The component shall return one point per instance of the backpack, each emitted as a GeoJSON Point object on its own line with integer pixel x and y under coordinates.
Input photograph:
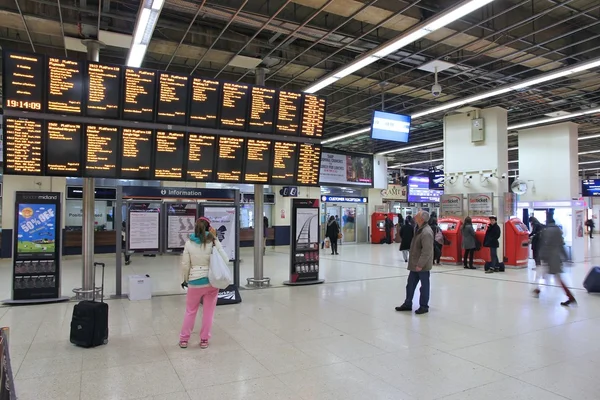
{"type": "Point", "coordinates": [439, 236]}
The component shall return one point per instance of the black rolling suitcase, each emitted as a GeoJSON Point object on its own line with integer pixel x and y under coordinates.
{"type": "Point", "coordinates": [592, 281]}
{"type": "Point", "coordinates": [89, 325]}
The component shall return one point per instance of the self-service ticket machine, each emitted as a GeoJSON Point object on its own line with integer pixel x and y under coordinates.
{"type": "Point", "coordinates": [480, 225]}
{"type": "Point", "coordinates": [452, 229]}
{"type": "Point", "coordinates": [378, 227]}
{"type": "Point", "coordinates": [516, 244]}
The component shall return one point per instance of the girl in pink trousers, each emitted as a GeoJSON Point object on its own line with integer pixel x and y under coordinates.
{"type": "Point", "coordinates": [195, 263]}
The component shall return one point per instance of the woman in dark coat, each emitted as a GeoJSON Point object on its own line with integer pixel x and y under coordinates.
{"type": "Point", "coordinates": [406, 236]}
{"type": "Point", "coordinates": [333, 230]}
{"type": "Point", "coordinates": [469, 243]}
{"type": "Point", "coordinates": [535, 237]}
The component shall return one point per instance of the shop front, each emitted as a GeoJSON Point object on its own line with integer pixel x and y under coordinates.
{"type": "Point", "coordinates": [351, 214]}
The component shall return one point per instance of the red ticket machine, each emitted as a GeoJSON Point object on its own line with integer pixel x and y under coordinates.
{"type": "Point", "coordinates": [480, 225]}
{"type": "Point", "coordinates": [452, 229]}
{"type": "Point", "coordinates": [516, 246]}
{"type": "Point", "coordinates": [378, 227]}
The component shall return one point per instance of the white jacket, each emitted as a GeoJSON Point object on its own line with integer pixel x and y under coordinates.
{"type": "Point", "coordinates": [195, 259]}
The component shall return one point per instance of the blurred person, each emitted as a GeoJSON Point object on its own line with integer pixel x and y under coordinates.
{"type": "Point", "coordinates": [388, 226]}
{"type": "Point", "coordinates": [491, 240]}
{"type": "Point", "coordinates": [535, 238]}
{"type": "Point", "coordinates": [406, 235]}
{"type": "Point", "coordinates": [400, 219]}
{"type": "Point", "coordinates": [591, 225]}
{"type": "Point", "coordinates": [124, 243]}
{"type": "Point", "coordinates": [469, 243]}
{"type": "Point", "coordinates": [420, 263]}
{"type": "Point", "coordinates": [552, 251]}
{"type": "Point", "coordinates": [333, 231]}
{"type": "Point", "coordinates": [265, 226]}
{"type": "Point", "coordinates": [195, 263]}
{"type": "Point", "coordinates": [437, 245]}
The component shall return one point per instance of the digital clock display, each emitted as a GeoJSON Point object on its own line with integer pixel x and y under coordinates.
{"type": "Point", "coordinates": [23, 83]}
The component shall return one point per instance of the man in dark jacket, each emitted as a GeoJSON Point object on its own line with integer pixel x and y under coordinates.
{"type": "Point", "coordinates": [420, 263]}
{"type": "Point", "coordinates": [491, 240]}
{"type": "Point", "coordinates": [591, 225]}
{"type": "Point", "coordinates": [535, 237]}
{"type": "Point", "coordinates": [388, 225]}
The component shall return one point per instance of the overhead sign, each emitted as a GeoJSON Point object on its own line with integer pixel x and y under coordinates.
{"type": "Point", "coordinates": [148, 192]}
{"type": "Point", "coordinates": [436, 180]}
{"type": "Point", "coordinates": [343, 199]}
{"type": "Point", "coordinates": [481, 203]}
{"type": "Point", "coordinates": [394, 192]}
{"type": "Point", "coordinates": [451, 204]}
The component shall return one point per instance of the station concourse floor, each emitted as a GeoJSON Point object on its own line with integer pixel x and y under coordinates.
{"type": "Point", "coordinates": [485, 337]}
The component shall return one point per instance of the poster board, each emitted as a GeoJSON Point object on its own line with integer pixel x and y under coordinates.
{"type": "Point", "coordinates": [223, 219]}
{"type": "Point", "coordinates": [481, 204]}
{"type": "Point", "coordinates": [181, 219]}
{"type": "Point", "coordinates": [143, 226]}
{"type": "Point", "coordinates": [305, 240]}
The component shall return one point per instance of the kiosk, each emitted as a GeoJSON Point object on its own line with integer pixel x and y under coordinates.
{"type": "Point", "coordinates": [378, 227]}
{"type": "Point", "coordinates": [480, 225]}
{"type": "Point", "coordinates": [516, 244]}
{"type": "Point", "coordinates": [452, 229]}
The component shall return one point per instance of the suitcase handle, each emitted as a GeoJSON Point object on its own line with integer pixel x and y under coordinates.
{"type": "Point", "coordinates": [101, 264]}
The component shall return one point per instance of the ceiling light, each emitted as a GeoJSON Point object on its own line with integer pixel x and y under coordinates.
{"type": "Point", "coordinates": [542, 79]}
{"type": "Point", "coordinates": [406, 148]}
{"type": "Point", "coordinates": [589, 169]}
{"type": "Point", "coordinates": [407, 37]}
{"type": "Point", "coordinates": [416, 163]}
{"type": "Point", "coordinates": [514, 162]}
{"type": "Point", "coordinates": [589, 162]}
{"type": "Point", "coordinates": [554, 119]}
{"type": "Point", "coordinates": [144, 29]}
{"type": "Point", "coordinates": [582, 153]}
{"type": "Point", "coordinates": [513, 148]}
{"type": "Point", "coordinates": [588, 137]}
{"type": "Point", "coordinates": [346, 135]}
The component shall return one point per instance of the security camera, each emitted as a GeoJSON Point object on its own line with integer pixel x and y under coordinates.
{"type": "Point", "coordinates": [503, 176]}
{"type": "Point", "coordinates": [469, 177]}
{"type": "Point", "coordinates": [436, 90]}
{"type": "Point", "coordinates": [489, 175]}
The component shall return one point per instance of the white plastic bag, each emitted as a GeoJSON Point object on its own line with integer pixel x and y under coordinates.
{"type": "Point", "coordinates": [219, 275]}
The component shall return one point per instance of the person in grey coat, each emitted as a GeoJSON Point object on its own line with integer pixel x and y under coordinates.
{"type": "Point", "coordinates": [420, 263]}
{"type": "Point", "coordinates": [552, 252]}
{"type": "Point", "coordinates": [469, 243]}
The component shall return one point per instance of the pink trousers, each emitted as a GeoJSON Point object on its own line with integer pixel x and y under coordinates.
{"type": "Point", "coordinates": [194, 295]}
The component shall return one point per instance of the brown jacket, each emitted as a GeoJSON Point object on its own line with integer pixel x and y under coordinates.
{"type": "Point", "coordinates": [421, 249]}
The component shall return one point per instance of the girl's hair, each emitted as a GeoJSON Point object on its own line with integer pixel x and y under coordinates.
{"type": "Point", "coordinates": [201, 229]}
{"type": "Point", "coordinates": [468, 220]}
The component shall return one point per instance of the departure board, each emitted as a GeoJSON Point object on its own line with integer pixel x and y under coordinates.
{"type": "Point", "coordinates": [262, 110]}
{"type": "Point", "coordinates": [65, 86]}
{"type": "Point", "coordinates": [230, 159]}
{"type": "Point", "coordinates": [257, 161]}
{"type": "Point", "coordinates": [23, 146]}
{"type": "Point", "coordinates": [136, 153]}
{"type": "Point", "coordinates": [103, 90]}
{"type": "Point", "coordinates": [313, 116]}
{"type": "Point", "coordinates": [285, 155]}
{"type": "Point", "coordinates": [234, 106]}
{"type": "Point", "coordinates": [201, 157]}
{"type": "Point", "coordinates": [138, 97]}
{"type": "Point", "coordinates": [204, 102]}
{"type": "Point", "coordinates": [63, 149]}
{"type": "Point", "coordinates": [309, 159]}
{"type": "Point", "coordinates": [23, 81]}
{"type": "Point", "coordinates": [168, 155]}
{"type": "Point", "coordinates": [288, 113]}
{"type": "Point", "coordinates": [172, 98]}
{"type": "Point", "coordinates": [101, 145]}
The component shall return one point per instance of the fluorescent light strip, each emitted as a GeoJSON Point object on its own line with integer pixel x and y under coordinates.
{"type": "Point", "coordinates": [346, 135]}
{"type": "Point", "coordinates": [144, 28]}
{"type": "Point", "coordinates": [554, 119]}
{"type": "Point", "coordinates": [589, 162]}
{"type": "Point", "coordinates": [406, 38]}
{"type": "Point", "coordinates": [416, 146]}
{"type": "Point", "coordinates": [588, 137]}
{"type": "Point", "coordinates": [416, 163]}
{"type": "Point", "coordinates": [582, 153]}
{"type": "Point", "coordinates": [589, 169]}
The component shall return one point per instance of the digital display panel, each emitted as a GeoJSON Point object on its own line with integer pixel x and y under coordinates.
{"type": "Point", "coordinates": [230, 159]}
{"type": "Point", "coordinates": [136, 153]}
{"type": "Point", "coordinates": [23, 146]}
{"type": "Point", "coordinates": [204, 103]}
{"type": "Point", "coordinates": [258, 160]}
{"type": "Point", "coordinates": [169, 153]}
{"type": "Point", "coordinates": [234, 106]}
{"type": "Point", "coordinates": [436, 179]}
{"type": "Point", "coordinates": [313, 116]}
{"type": "Point", "coordinates": [101, 145]}
{"type": "Point", "coordinates": [419, 192]}
{"type": "Point", "coordinates": [346, 169]}
{"type": "Point", "coordinates": [285, 155]}
{"type": "Point", "coordinates": [23, 80]}
{"type": "Point", "coordinates": [201, 157]}
{"type": "Point", "coordinates": [63, 148]}
{"type": "Point", "coordinates": [388, 126]}
{"type": "Point", "coordinates": [172, 98]}
{"type": "Point", "coordinates": [590, 187]}
{"type": "Point", "coordinates": [309, 158]}
{"type": "Point", "coordinates": [262, 110]}
{"type": "Point", "coordinates": [65, 86]}
{"type": "Point", "coordinates": [104, 90]}
{"type": "Point", "coordinates": [139, 93]}
{"type": "Point", "coordinates": [288, 113]}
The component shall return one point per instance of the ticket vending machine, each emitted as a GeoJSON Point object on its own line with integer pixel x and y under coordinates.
{"type": "Point", "coordinates": [516, 236]}
{"type": "Point", "coordinates": [378, 227]}
{"type": "Point", "coordinates": [480, 225]}
{"type": "Point", "coordinates": [452, 230]}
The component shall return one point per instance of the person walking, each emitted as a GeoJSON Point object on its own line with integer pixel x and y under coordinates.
{"type": "Point", "coordinates": [551, 252]}
{"type": "Point", "coordinates": [469, 243]}
{"type": "Point", "coordinates": [420, 263]}
{"type": "Point", "coordinates": [591, 225]}
{"type": "Point", "coordinates": [195, 262]}
{"type": "Point", "coordinates": [491, 240]}
{"type": "Point", "coordinates": [333, 231]}
{"type": "Point", "coordinates": [535, 238]}
{"type": "Point", "coordinates": [388, 225]}
{"type": "Point", "coordinates": [124, 243]}
{"type": "Point", "coordinates": [406, 236]}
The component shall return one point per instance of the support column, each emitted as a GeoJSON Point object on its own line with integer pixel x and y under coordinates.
{"type": "Point", "coordinates": [259, 280]}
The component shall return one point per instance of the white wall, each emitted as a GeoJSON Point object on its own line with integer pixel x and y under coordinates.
{"type": "Point", "coordinates": [548, 161]}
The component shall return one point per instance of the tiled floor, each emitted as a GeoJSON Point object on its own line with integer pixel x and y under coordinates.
{"type": "Point", "coordinates": [485, 338]}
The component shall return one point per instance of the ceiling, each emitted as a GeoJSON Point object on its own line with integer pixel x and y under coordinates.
{"type": "Point", "coordinates": [300, 41]}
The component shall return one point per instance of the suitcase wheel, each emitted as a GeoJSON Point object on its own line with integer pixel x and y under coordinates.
{"type": "Point", "coordinates": [105, 341]}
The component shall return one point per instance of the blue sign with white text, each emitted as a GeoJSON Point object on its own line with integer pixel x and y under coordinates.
{"type": "Point", "coordinates": [388, 126]}
{"type": "Point", "coordinates": [343, 199]}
